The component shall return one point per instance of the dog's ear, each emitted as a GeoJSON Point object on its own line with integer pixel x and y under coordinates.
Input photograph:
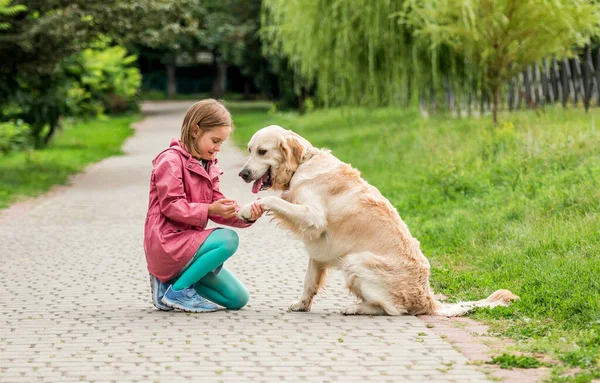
{"type": "Point", "coordinates": [292, 149]}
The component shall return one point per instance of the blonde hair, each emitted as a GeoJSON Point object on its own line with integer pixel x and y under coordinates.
{"type": "Point", "coordinates": [205, 115]}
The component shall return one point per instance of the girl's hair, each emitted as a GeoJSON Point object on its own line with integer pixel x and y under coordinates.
{"type": "Point", "coordinates": [205, 115]}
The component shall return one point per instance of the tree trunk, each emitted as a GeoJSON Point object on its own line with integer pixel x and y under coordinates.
{"type": "Point", "coordinates": [556, 81]}
{"type": "Point", "coordinates": [247, 90]}
{"type": "Point", "coordinates": [171, 81]}
{"type": "Point", "coordinates": [565, 82]}
{"type": "Point", "coordinates": [495, 104]}
{"type": "Point", "coordinates": [54, 123]}
{"type": "Point", "coordinates": [220, 82]}
{"type": "Point", "coordinates": [49, 134]}
{"type": "Point", "coordinates": [301, 98]}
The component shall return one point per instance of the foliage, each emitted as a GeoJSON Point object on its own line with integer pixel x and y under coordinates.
{"type": "Point", "coordinates": [6, 9]}
{"type": "Point", "coordinates": [356, 53]}
{"type": "Point", "coordinates": [42, 39]}
{"type": "Point", "coordinates": [14, 135]}
{"type": "Point", "coordinates": [230, 29]}
{"type": "Point", "coordinates": [386, 52]}
{"type": "Point", "coordinates": [500, 38]}
{"type": "Point", "coordinates": [103, 80]}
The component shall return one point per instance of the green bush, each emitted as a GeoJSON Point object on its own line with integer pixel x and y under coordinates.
{"type": "Point", "coordinates": [90, 83]}
{"type": "Point", "coordinates": [14, 135]}
{"type": "Point", "coordinates": [102, 81]}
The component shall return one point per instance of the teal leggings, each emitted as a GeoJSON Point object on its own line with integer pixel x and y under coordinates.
{"type": "Point", "coordinates": [223, 288]}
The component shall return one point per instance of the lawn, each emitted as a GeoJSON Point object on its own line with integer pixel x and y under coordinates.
{"type": "Point", "coordinates": [514, 207]}
{"type": "Point", "coordinates": [33, 172]}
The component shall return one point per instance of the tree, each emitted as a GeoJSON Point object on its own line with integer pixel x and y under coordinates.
{"type": "Point", "coordinates": [227, 29]}
{"type": "Point", "coordinates": [500, 38]}
{"type": "Point", "coordinates": [34, 49]}
{"type": "Point", "coordinates": [356, 51]}
{"type": "Point", "coordinates": [170, 28]}
{"type": "Point", "coordinates": [230, 29]}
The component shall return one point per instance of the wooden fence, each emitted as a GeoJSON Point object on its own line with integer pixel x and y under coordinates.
{"type": "Point", "coordinates": [575, 81]}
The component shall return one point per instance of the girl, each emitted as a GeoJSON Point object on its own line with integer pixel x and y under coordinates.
{"type": "Point", "coordinates": [185, 259]}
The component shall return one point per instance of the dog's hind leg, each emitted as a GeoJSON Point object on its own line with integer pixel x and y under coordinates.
{"type": "Point", "coordinates": [313, 281]}
{"type": "Point", "coordinates": [367, 284]}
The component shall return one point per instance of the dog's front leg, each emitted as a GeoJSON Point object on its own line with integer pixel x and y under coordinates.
{"type": "Point", "coordinates": [315, 277]}
{"type": "Point", "coordinates": [308, 219]}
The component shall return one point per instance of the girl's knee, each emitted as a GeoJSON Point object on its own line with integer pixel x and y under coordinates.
{"type": "Point", "coordinates": [241, 299]}
{"type": "Point", "coordinates": [229, 240]}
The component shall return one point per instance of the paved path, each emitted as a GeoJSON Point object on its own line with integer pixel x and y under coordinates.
{"type": "Point", "coordinates": [76, 299]}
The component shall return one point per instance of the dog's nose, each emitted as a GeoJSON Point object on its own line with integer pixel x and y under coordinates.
{"type": "Point", "coordinates": [245, 174]}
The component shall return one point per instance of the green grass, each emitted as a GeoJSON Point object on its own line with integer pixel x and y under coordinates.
{"type": "Point", "coordinates": [509, 361]}
{"type": "Point", "coordinates": [77, 145]}
{"type": "Point", "coordinates": [515, 207]}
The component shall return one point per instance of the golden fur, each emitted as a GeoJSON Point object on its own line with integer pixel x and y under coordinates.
{"type": "Point", "coordinates": [346, 223]}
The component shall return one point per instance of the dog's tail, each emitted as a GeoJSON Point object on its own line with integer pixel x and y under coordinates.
{"type": "Point", "coordinates": [498, 298]}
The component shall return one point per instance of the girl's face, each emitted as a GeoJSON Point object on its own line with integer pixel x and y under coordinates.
{"type": "Point", "coordinates": [209, 143]}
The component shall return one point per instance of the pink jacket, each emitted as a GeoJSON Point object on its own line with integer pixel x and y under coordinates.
{"type": "Point", "coordinates": [180, 192]}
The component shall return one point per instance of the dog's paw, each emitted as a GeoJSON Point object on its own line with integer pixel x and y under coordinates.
{"type": "Point", "coordinates": [352, 310]}
{"type": "Point", "coordinates": [363, 309]}
{"type": "Point", "coordinates": [299, 306]}
{"type": "Point", "coordinates": [245, 212]}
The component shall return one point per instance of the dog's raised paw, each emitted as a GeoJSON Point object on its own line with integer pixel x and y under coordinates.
{"type": "Point", "coordinates": [245, 212]}
{"type": "Point", "coordinates": [299, 306]}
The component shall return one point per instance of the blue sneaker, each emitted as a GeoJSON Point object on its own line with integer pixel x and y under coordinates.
{"type": "Point", "coordinates": [187, 300]}
{"type": "Point", "coordinates": [158, 291]}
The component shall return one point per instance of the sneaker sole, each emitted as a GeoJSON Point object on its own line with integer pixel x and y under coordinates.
{"type": "Point", "coordinates": [155, 298]}
{"type": "Point", "coordinates": [175, 305]}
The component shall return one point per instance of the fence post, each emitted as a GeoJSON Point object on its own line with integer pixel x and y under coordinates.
{"type": "Point", "coordinates": [566, 84]}
{"type": "Point", "coordinates": [546, 85]}
{"type": "Point", "coordinates": [538, 87]}
{"type": "Point", "coordinates": [510, 97]}
{"type": "Point", "coordinates": [528, 94]}
{"type": "Point", "coordinates": [575, 79]}
{"type": "Point", "coordinates": [556, 81]}
{"type": "Point", "coordinates": [518, 90]}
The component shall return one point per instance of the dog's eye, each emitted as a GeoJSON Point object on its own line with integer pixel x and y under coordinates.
{"type": "Point", "coordinates": [262, 152]}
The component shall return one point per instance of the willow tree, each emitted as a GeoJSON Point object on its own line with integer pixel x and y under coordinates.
{"type": "Point", "coordinates": [359, 54]}
{"type": "Point", "coordinates": [500, 38]}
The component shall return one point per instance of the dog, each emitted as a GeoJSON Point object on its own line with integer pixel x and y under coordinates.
{"type": "Point", "coordinates": [345, 223]}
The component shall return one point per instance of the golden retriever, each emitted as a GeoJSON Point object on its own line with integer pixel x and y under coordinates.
{"type": "Point", "coordinates": [347, 224]}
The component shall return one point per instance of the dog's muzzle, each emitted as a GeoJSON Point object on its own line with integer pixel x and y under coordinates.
{"type": "Point", "coordinates": [245, 175]}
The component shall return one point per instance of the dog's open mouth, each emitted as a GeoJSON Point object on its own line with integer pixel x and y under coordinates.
{"type": "Point", "coordinates": [263, 183]}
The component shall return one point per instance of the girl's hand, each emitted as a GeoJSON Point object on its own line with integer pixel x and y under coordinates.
{"type": "Point", "coordinates": [226, 208]}
{"type": "Point", "coordinates": [256, 211]}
